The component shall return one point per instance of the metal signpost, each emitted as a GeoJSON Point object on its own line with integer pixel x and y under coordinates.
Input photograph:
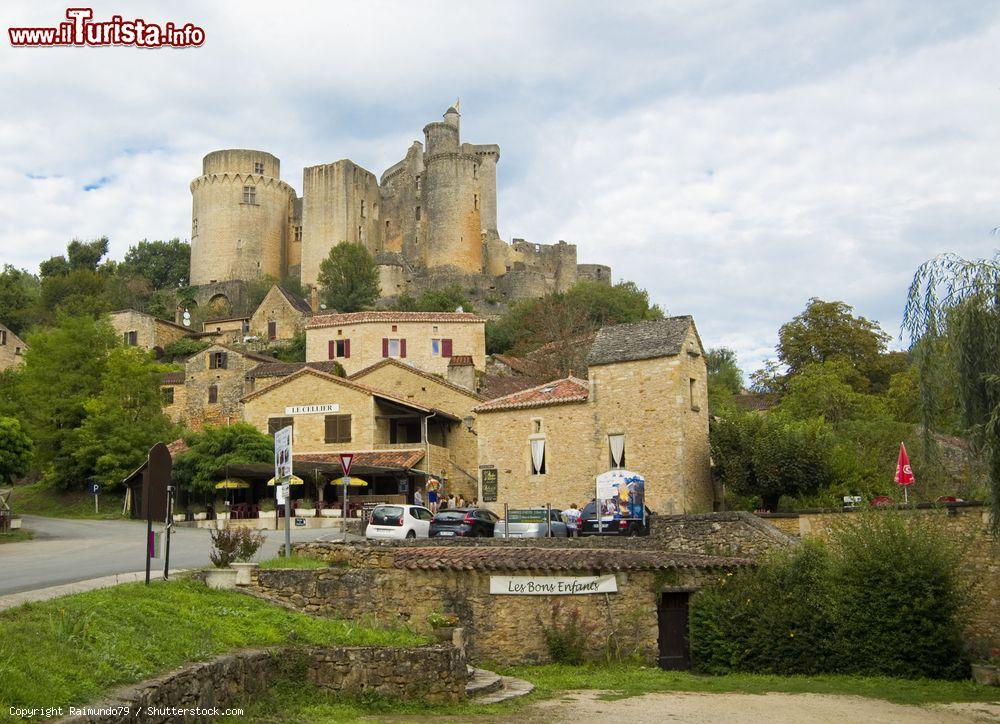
{"type": "Point", "coordinates": [155, 487]}
{"type": "Point", "coordinates": [95, 488]}
{"type": "Point", "coordinates": [345, 462]}
{"type": "Point", "coordinates": [282, 479]}
{"type": "Point", "coordinates": [167, 527]}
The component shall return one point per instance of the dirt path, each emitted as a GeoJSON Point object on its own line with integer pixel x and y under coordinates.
{"type": "Point", "coordinates": [580, 706]}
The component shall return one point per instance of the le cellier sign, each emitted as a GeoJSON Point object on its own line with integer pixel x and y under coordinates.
{"type": "Point", "coordinates": [552, 585]}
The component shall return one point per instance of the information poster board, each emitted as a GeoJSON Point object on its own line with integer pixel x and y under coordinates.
{"type": "Point", "coordinates": [489, 484]}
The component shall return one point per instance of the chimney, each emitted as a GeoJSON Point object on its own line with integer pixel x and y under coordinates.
{"type": "Point", "coordinates": [314, 299]}
{"type": "Point", "coordinates": [462, 372]}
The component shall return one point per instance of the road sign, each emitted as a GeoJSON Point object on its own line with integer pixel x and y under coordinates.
{"type": "Point", "coordinates": [94, 488]}
{"type": "Point", "coordinates": [345, 462]}
{"type": "Point", "coordinates": [283, 453]}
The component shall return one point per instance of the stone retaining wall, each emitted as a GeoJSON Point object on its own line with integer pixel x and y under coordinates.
{"type": "Point", "coordinates": [434, 673]}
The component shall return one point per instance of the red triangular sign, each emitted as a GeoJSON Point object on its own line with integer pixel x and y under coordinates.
{"type": "Point", "coordinates": [904, 473]}
{"type": "Point", "coordinates": [345, 462]}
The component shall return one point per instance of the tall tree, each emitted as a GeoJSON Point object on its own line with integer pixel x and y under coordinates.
{"type": "Point", "coordinates": [18, 298]}
{"type": "Point", "coordinates": [613, 304]}
{"type": "Point", "coordinates": [214, 448]}
{"type": "Point", "coordinates": [959, 299]}
{"type": "Point", "coordinates": [124, 420]}
{"type": "Point", "coordinates": [348, 278]}
{"type": "Point", "coordinates": [166, 264]}
{"type": "Point", "coordinates": [15, 450]}
{"type": "Point", "coordinates": [828, 330]}
{"type": "Point", "coordinates": [86, 254]}
{"type": "Point", "coordinates": [63, 367]}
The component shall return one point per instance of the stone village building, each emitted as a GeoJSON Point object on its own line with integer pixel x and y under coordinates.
{"type": "Point", "coordinates": [12, 349]}
{"type": "Point", "coordinates": [645, 403]}
{"type": "Point", "coordinates": [138, 329]}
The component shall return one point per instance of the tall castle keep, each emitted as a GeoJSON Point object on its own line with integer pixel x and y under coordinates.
{"type": "Point", "coordinates": [430, 219]}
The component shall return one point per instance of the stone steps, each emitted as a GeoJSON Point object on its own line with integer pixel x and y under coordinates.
{"type": "Point", "coordinates": [486, 687]}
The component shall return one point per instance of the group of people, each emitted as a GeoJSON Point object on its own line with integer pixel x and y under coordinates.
{"type": "Point", "coordinates": [436, 499]}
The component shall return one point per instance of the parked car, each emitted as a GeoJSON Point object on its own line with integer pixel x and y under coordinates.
{"type": "Point", "coordinates": [468, 522]}
{"type": "Point", "coordinates": [616, 524]}
{"type": "Point", "coordinates": [392, 522]}
{"type": "Point", "coordinates": [533, 528]}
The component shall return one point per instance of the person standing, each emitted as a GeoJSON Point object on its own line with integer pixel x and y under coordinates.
{"type": "Point", "coordinates": [418, 497]}
{"type": "Point", "coordinates": [572, 516]}
{"type": "Point", "coordinates": [433, 486]}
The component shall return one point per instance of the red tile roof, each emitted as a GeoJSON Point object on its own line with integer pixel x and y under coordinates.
{"type": "Point", "coordinates": [460, 360]}
{"type": "Point", "coordinates": [281, 369]}
{"type": "Point", "coordinates": [172, 378]}
{"type": "Point", "coordinates": [177, 447]}
{"type": "Point", "coordinates": [391, 459]}
{"type": "Point", "coordinates": [494, 386]}
{"type": "Point", "coordinates": [336, 320]}
{"type": "Point", "coordinates": [389, 361]}
{"type": "Point", "coordinates": [757, 402]}
{"type": "Point", "coordinates": [495, 558]}
{"type": "Point", "coordinates": [569, 389]}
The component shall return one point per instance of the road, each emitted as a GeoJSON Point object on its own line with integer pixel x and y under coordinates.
{"type": "Point", "coordinates": [66, 551]}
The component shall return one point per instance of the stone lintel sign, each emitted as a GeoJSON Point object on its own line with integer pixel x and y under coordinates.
{"type": "Point", "coordinates": [552, 585]}
{"type": "Point", "coordinates": [312, 409]}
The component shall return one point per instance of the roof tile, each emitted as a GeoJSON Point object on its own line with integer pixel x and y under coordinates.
{"type": "Point", "coordinates": [332, 320]}
{"type": "Point", "coordinates": [569, 389]}
{"type": "Point", "coordinates": [640, 340]}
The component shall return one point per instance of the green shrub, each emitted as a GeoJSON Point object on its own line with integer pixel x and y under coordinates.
{"type": "Point", "coordinates": [565, 634]}
{"type": "Point", "coordinates": [885, 598]}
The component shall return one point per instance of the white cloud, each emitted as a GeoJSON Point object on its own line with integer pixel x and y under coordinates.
{"type": "Point", "coordinates": [734, 158]}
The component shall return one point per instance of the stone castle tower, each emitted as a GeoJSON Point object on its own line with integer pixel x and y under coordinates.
{"type": "Point", "coordinates": [430, 219]}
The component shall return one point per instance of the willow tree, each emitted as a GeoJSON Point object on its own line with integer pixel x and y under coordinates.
{"type": "Point", "coordinates": [954, 304]}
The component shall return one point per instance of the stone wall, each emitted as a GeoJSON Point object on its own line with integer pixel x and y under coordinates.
{"type": "Point", "coordinates": [11, 349]}
{"type": "Point", "coordinates": [434, 673]}
{"type": "Point", "coordinates": [509, 629]}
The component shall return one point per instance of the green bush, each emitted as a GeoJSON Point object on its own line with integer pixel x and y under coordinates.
{"type": "Point", "coordinates": [885, 598]}
{"type": "Point", "coordinates": [566, 634]}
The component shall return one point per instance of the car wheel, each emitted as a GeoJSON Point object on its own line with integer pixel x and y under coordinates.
{"type": "Point", "coordinates": [411, 534]}
{"type": "Point", "coordinates": [633, 531]}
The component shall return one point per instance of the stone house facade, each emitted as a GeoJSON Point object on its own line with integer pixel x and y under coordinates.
{"type": "Point", "coordinates": [231, 330]}
{"type": "Point", "coordinates": [214, 383]}
{"type": "Point", "coordinates": [426, 340]}
{"type": "Point", "coordinates": [12, 349]}
{"type": "Point", "coordinates": [645, 397]}
{"type": "Point", "coordinates": [280, 316]}
{"type": "Point", "coordinates": [138, 329]}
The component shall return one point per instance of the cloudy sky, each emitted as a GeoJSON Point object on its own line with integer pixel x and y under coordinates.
{"type": "Point", "coordinates": [735, 158]}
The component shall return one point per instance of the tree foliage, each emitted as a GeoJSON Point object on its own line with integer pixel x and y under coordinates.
{"type": "Point", "coordinates": [829, 330]}
{"type": "Point", "coordinates": [214, 449]}
{"type": "Point", "coordinates": [348, 278]}
{"type": "Point", "coordinates": [15, 450]}
{"type": "Point", "coordinates": [165, 264]}
{"type": "Point", "coordinates": [725, 378]}
{"type": "Point", "coordinates": [442, 299]}
{"type": "Point", "coordinates": [124, 419]}
{"type": "Point", "coordinates": [19, 292]}
{"type": "Point", "coordinates": [958, 300]}
{"type": "Point", "coordinates": [769, 456]}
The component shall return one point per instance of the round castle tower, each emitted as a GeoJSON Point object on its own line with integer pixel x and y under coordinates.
{"type": "Point", "coordinates": [451, 198]}
{"type": "Point", "coordinates": [239, 217]}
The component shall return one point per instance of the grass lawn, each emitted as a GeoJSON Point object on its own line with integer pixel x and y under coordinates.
{"type": "Point", "coordinates": [13, 536]}
{"type": "Point", "coordinates": [40, 499]}
{"type": "Point", "coordinates": [294, 562]}
{"type": "Point", "coordinates": [73, 649]}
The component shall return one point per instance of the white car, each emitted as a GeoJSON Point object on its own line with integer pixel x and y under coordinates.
{"type": "Point", "coordinates": [392, 522]}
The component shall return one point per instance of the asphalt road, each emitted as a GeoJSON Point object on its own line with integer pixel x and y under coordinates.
{"type": "Point", "coordinates": [66, 551]}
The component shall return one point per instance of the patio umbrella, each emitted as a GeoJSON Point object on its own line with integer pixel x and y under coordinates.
{"type": "Point", "coordinates": [232, 484]}
{"type": "Point", "coordinates": [294, 480]}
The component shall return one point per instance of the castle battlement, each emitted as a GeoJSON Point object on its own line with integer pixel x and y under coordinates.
{"type": "Point", "coordinates": [430, 218]}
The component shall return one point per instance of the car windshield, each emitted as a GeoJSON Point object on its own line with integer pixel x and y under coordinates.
{"type": "Point", "coordinates": [387, 515]}
{"type": "Point", "coordinates": [450, 515]}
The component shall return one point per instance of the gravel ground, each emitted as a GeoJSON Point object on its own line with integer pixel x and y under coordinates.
{"type": "Point", "coordinates": [578, 706]}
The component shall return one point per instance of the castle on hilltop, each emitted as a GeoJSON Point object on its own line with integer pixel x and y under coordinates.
{"type": "Point", "coordinates": [430, 219]}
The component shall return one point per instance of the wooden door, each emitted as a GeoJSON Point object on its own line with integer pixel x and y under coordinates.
{"type": "Point", "coordinates": [672, 614]}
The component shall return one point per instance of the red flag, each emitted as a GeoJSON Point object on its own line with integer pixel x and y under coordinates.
{"type": "Point", "coordinates": [904, 473]}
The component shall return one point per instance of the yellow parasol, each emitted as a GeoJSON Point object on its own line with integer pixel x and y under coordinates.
{"type": "Point", "coordinates": [354, 482]}
{"type": "Point", "coordinates": [232, 484]}
{"type": "Point", "coordinates": [294, 480]}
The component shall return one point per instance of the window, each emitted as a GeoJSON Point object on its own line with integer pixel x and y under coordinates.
{"type": "Point", "coordinates": [616, 449]}
{"type": "Point", "coordinates": [298, 233]}
{"type": "Point", "coordinates": [395, 328]}
{"type": "Point", "coordinates": [475, 170]}
{"type": "Point", "coordinates": [339, 349]}
{"type": "Point", "coordinates": [278, 423]}
{"type": "Point", "coordinates": [362, 208]}
{"type": "Point", "coordinates": [131, 338]}
{"type": "Point", "coordinates": [3, 337]}
{"type": "Point", "coordinates": [168, 395]}
{"type": "Point", "coordinates": [693, 392]}
{"type": "Point", "coordinates": [434, 329]}
{"type": "Point", "coordinates": [387, 225]}
{"type": "Point", "coordinates": [249, 194]}
{"type": "Point", "coordinates": [417, 180]}
{"type": "Point", "coordinates": [218, 360]}
{"type": "Point", "coordinates": [194, 226]}
{"type": "Point", "coordinates": [213, 394]}
{"type": "Point", "coordinates": [435, 348]}
{"type": "Point", "coordinates": [393, 347]}
{"type": "Point", "coordinates": [538, 457]}
{"type": "Point", "coordinates": [272, 330]}
{"type": "Point", "coordinates": [475, 201]}
{"type": "Point", "coordinates": [536, 425]}
{"type": "Point", "coordinates": [418, 213]}
{"type": "Point", "coordinates": [258, 167]}
{"type": "Point", "coordinates": [441, 347]}
{"type": "Point", "coordinates": [338, 428]}
{"type": "Point", "coordinates": [17, 350]}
